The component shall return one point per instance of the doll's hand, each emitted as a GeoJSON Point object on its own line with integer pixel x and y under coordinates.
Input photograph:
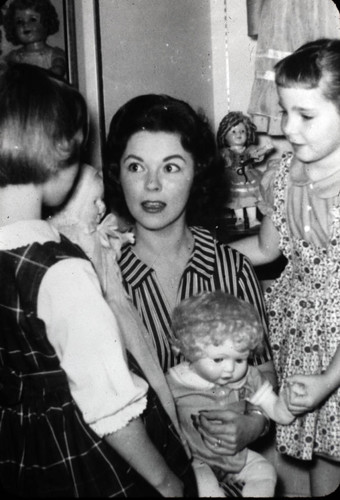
{"type": "Point", "coordinates": [111, 236]}
{"type": "Point", "coordinates": [305, 392]}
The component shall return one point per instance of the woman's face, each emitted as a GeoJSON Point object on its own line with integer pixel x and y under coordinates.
{"type": "Point", "coordinates": [28, 26]}
{"type": "Point", "coordinates": [156, 175]}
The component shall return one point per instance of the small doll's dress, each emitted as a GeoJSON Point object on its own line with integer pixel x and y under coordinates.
{"type": "Point", "coordinates": [42, 58]}
{"type": "Point", "coordinates": [244, 178]}
{"type": "Point", "coordinates": [303, 303]}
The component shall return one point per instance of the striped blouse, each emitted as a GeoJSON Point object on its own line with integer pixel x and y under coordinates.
{"type": "Point", "coordinates": [212, 266]}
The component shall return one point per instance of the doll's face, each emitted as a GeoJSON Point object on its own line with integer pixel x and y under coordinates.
{"type": "Point", "coordinates": [222, 364]}
{"type": "Point", "coordinates": [94, 208]}
{"type": "Point", "coordinates": [237, 135]}
{"type": "Point", "coordinates": [29, 28]}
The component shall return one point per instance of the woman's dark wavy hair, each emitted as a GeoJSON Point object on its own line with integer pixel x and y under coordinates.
{"type": "Point", "coordinates": [162, 113]}
{"type": "Point", "coordinates": [49, 17]}
{"type": "Point", "coordinates": [309, 64]}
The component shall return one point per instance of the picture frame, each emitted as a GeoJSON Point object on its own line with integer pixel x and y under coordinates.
{"type": "Point", "coordinates": [65, 38]}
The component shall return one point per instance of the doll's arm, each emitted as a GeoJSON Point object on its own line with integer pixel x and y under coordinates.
{"type": "Point", "coordinates": [274, 405]}
{"type": "Point", "coordinates": [58, 65]}
{"type": "Point", "coordinates": [257, 153]}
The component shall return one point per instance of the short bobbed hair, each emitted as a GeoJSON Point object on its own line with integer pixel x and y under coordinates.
{"type": "Point", "coordinates": [49, 17]}
{"type": "Point", "coordinates": [314, 64]}
{"type": "Point", "coordinates": [211, 318]}
{"type": "Point", "coordinates": [162, 113]}
{"type": "Point", "coordinates": [231, 120]}
{"type": "Point", "coordinates": [43, 125]}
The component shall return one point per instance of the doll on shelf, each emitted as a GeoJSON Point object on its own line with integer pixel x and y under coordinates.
{"type": "Point", "coordinates": [29, 23]}
{"type": "Point", "coordinates": [236, 137]}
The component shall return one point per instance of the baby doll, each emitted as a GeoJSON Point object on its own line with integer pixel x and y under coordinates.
{"type": "Point", "coordinates": [236, 137]}
{"type": "Point", "coordinates": [29, 23]}
{"type": "Point", "coordinates": [216, 333]}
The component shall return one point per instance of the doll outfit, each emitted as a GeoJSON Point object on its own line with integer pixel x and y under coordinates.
{"type": "Point", "coordinates": [42, 58]}
{"type": "Point", "coordinates": [212, 266]}
{"type": "Point", "coordinates": [244, 179]}
{"type": "Point", "coordinates": [55, 405]}
{"type": "Point", "coordinates": [192, 394]}
{"type": "Point", "coordinates": [303, 303]}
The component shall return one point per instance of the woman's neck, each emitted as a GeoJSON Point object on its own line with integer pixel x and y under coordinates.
{"type": "Point", "coordinates": [19, 202]}
{"type": "Point", "coordinates": [170, 242]}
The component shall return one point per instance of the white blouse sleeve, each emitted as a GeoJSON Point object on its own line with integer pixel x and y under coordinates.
{"type": "Point", "coordinates": [85, 334]}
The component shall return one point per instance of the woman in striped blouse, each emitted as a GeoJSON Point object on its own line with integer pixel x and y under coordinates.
{"type": "Point", "coordinates": [162, 172]}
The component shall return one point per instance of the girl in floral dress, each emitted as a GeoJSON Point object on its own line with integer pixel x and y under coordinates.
{"type": "Point", "coordinates": [302, 220]}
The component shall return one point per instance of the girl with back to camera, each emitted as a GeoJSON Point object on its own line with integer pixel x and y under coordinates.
{"type": "Point", "coordinates": [162, 172]}
{"type": "Point", "coordinates": [76, 418]}
{"type": "Point", "coordinates": [303, 222]}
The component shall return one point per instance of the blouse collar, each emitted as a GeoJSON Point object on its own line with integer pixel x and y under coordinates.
{"type": "Point", "coordinates": [324, 188]}
{"type": "Point", "coordinates": [202, 259]}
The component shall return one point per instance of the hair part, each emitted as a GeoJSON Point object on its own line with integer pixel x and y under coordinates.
{"type": "Point", "coordinates": [49, 17]}
{"type": "Point", "coordinates": [314, 64]}
{"type": "Point", "coordinates": [43, 125]}
{"type": "Point", "coordinates": [162, 113]}
{"type": "Point", "coordinates": [211, 318]}
{"type": "Point", "coordinates": [231, 120]}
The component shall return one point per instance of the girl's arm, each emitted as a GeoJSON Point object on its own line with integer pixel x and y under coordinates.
{"type": "Point", "coordinates": [307, 391]}
{"type": "Point", "coordinates": [261, 248]}
{"type": "Point", "coordinates": [134, 445]}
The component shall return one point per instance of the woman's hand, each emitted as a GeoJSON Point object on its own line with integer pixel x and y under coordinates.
{"type": "Point", "coordinates": [227, 432]}
{"type": "Point", "coordinates": [305, 392]}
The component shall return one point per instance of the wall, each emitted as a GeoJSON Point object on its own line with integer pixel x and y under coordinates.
{"type": "Point", "coordinates": [196, 50]}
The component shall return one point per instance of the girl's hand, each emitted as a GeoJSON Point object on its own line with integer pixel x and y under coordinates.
{"type": "Point", "coordinates": [305, 392]}
{"type": "Point", "coordinates": [226, 432]}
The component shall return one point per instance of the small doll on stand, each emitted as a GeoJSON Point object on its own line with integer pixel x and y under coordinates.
{"type": "Point", "coordinates": [29, 23]}
{"type": "Point", "coordinates": [236, 137]}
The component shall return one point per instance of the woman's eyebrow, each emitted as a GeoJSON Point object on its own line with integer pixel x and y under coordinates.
{"type": "Point", "coordinates": [173, 157]}
{"type": "Point", "coordinates": [134, 157]}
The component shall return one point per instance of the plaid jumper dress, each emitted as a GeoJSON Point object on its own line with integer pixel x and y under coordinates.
{"type": "Point", "coordinates": [46, 448]}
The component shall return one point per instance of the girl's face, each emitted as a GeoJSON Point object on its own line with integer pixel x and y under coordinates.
{"type": "Point", "coordinates": [311, 124]}
{"type": "Point", "coordinates": [237, 136]}
{"type": "Point", "coordinates": [222, 364]}
{"type": "Point", "coordinates": [156, 175]}
{"type": "Point", "coordinates": [29, 28]}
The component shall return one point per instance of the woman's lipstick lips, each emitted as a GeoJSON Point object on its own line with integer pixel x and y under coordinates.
{"type": "Point", "coordinates": [153, 206]}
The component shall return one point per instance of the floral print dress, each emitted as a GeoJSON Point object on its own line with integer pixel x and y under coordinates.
{"type": "Point", "coordinates": [303, 304]}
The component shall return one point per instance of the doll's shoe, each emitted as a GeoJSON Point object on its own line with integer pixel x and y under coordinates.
{"type": "Point", "coordinates": [254, 223]}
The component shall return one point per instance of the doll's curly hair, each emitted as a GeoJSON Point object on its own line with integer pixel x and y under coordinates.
{"type": "Point", "coordinates": [210, 318]}
{"type": "Point", "coordinates": [49, 17]}
{"type": "Point", "coordinates": [231, 120]}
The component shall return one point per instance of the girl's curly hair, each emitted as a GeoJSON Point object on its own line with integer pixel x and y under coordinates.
{"type": "Point", "coordinates": [210, 318]}
{"type": "Point", "coordinates": [231, 120]}
{"type": "Point", "coordinates": [162, 113]}
{"type": "Point", "coordinates": [49, 17]}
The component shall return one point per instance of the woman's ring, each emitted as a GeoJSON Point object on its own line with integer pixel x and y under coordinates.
{"type": "Point", "coordinates": [218, 443]}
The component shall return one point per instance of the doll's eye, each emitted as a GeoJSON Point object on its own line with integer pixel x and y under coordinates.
{"type": "Point", "coordinates": [218, 360]}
